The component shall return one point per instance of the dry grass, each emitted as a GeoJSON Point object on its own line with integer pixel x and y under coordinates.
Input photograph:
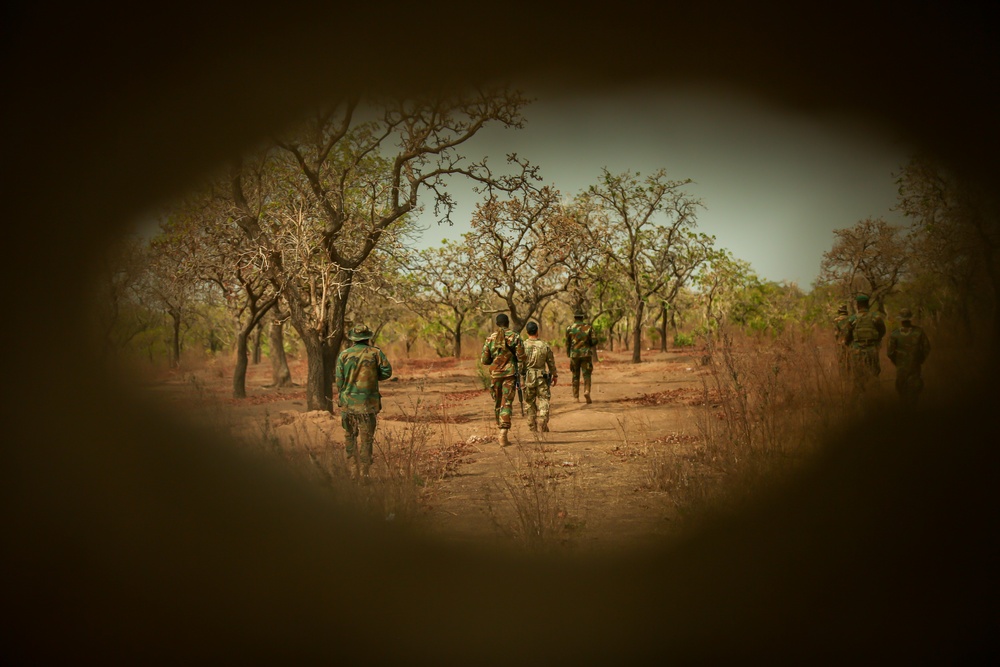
{"type": "Point", "coordinates": [535, 501]}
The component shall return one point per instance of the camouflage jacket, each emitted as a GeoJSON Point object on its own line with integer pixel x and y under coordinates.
{"type": "Point", "coordinates": [579, 340]}
{"type": "Point", "coordinates": [497, 355]}
{"type": "Point", "coordinates": [359, 370]}
{"type": "Point", "coordinates": [907, 350]}
{"type": "Point", "coordinates": [865, 329]}
{"type": "Point", "coordinates": [541, 362]}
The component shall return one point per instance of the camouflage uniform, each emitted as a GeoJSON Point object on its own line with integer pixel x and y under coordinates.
{"type": "Point", "coordinates": [539, 375]}
{"type": "Point", "coordinates": [864, 339]}
{"type": "Point", "coordinates": [908, 348]}
{"type": "Point", "coordinates": [580, 349]}
{"type": "Point", "coordinates": [359, 370]}
{"type": "Point", "coordinates": [497, 355]}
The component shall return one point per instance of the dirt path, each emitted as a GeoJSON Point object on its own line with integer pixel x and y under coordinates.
{"type": "Point", "coordinates": [602, 455]}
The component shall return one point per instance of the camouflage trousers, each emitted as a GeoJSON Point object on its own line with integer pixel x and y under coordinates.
{"type": "Point", "coordinates": [536, 404]}
{"type": "Point", "coordinates": [359, 426]}
{"type": "Point", "coordinates": [581, 366]}
{"type": "Point", "coordinates": [503, 392]}
{"type": "Point", "coordinates": [909, 384]}
{"type": "Point", "coordinates": [864, 366]}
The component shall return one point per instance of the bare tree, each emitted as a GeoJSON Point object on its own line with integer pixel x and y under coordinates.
{"type": "Point", "coordinates": [872, 256]}
{"type": "Point", "coordinates": [642, 222]}
{"type": "Point", "coordinates": [519, 248]}
{"type": "Point", "coordinates": [353, 176]}
{"type": "Point", "coordinates": [444, 287]}
{"type": "Point", "coordinates": [954, 237]}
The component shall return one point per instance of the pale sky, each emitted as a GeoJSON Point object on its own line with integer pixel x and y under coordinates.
{"type": "Point", "coordinates": [775, 185]}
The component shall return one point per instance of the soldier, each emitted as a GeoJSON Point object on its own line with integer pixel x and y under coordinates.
{"type": "Point", "coordinates": [359, 370]}
{"type": "Point", "coordinates": [539, 375]}
{"type": "Point", "coordinates": [841, 324]}
{"type": "Point", "coordinates": [502, 353]}
{"type": "Point", "coordinates": [864, 338]}
{"type": "Point", "coordinates": [908, 348]}
{"type": "Point", "coordinates": [580, 349]}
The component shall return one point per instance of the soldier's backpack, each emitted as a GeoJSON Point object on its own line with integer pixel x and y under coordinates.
{"type": "Point", "coordinates": [865, 332]}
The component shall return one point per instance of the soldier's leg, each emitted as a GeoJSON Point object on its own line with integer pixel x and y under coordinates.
{"type": "Point", "coordinates": [587, 369]}
{"type": "Point", "coordinates": [496, 391]}
{"type": "Point", "coordinates": [574, 369]}
{"type": "Point", "coordinates": [531, 397]}
{"type": "Point", "coordinates": [350, 425]}
{"type": "Point", "coordinates": [542, 400]}
{"type": "Point", "coordinates": [506, 408]}
{"type": "Point", "coordinates": [366, 440]}
{"type": "Point", "coordinates": [909, 385]}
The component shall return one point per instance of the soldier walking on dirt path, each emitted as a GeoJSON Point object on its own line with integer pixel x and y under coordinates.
{"type": "Point", "coordinates": [908, 348]}
{"type": "Point", "coordinates": [580, 349]}
{"type": "Point", "coordinates": [864, 339]}
{"type": "Point", "coordinates": [360, 367]}
{"type": "Point", "coordinates": [503, 352]}
{"type": "Point", "coordinates": [539, 375]}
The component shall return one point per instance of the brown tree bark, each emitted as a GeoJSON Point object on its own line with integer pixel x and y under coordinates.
{"type": "Point", "coordinates": [281, 376]}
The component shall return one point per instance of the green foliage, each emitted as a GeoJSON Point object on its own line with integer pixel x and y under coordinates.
{"type": "Point", "coordinates": [684, 340]}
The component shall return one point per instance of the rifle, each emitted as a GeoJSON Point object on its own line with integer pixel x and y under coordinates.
{"type": "Point", "coordinates": [517, 376]}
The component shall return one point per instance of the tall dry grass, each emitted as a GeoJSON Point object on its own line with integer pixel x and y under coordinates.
{"type": "Point", "coordinates": [768, 403]}
{"type": "Point", "coordinates": [535, 501]}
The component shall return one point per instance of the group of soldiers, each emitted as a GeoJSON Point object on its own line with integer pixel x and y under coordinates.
{"type": "Point", "coordinates": [516, 366]}
{"type": "Point", "coordinates": [527, 368]}
{"type": "Point", "coordinates": [860, 340]}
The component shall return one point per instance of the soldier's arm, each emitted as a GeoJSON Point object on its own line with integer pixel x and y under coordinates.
{"type": "Point", "coordinates": [384, 367]}
{"type": "Point", "coordinates": [486, 358]}
{"type": "Point", "coordinates": [340, 372]}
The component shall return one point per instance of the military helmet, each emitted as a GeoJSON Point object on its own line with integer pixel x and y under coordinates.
{"type": "Point", "coordinates": [360, 332]}
{"type": "Point", "coordinates": [905, 314]}
{"type": "Point", "coordinates": [861, 297]}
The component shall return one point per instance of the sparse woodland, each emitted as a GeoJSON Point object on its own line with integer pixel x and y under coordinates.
{"type": "Point", "coordinates": [282, 250]}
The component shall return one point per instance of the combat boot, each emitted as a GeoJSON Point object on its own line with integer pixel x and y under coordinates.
{"type": "Point", "coordinates": [503, 438]}
{"type": "Point", "coordinates": [586, 392]}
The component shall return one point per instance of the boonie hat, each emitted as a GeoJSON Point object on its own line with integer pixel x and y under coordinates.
{"type": "Point", "coordinates": [360, 332]}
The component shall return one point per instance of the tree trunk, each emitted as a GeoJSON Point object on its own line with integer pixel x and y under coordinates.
{"type": "Point", "coordinates": [175, 347]}
{"type": "Point", "coordinates": [240, 372]}
{"type": "Point", "coordinates": [663, 327]}
{"type": "Point", "coordinates": [458, 336]}
{"type": "Point", "coordinates": [256, 344]}
{"type": "Point", "coordinates": [637, 333]}
{"type": "Point", "coordinates": [318, 397]}
{"type": "Point", "coordinates": [281, 376]}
